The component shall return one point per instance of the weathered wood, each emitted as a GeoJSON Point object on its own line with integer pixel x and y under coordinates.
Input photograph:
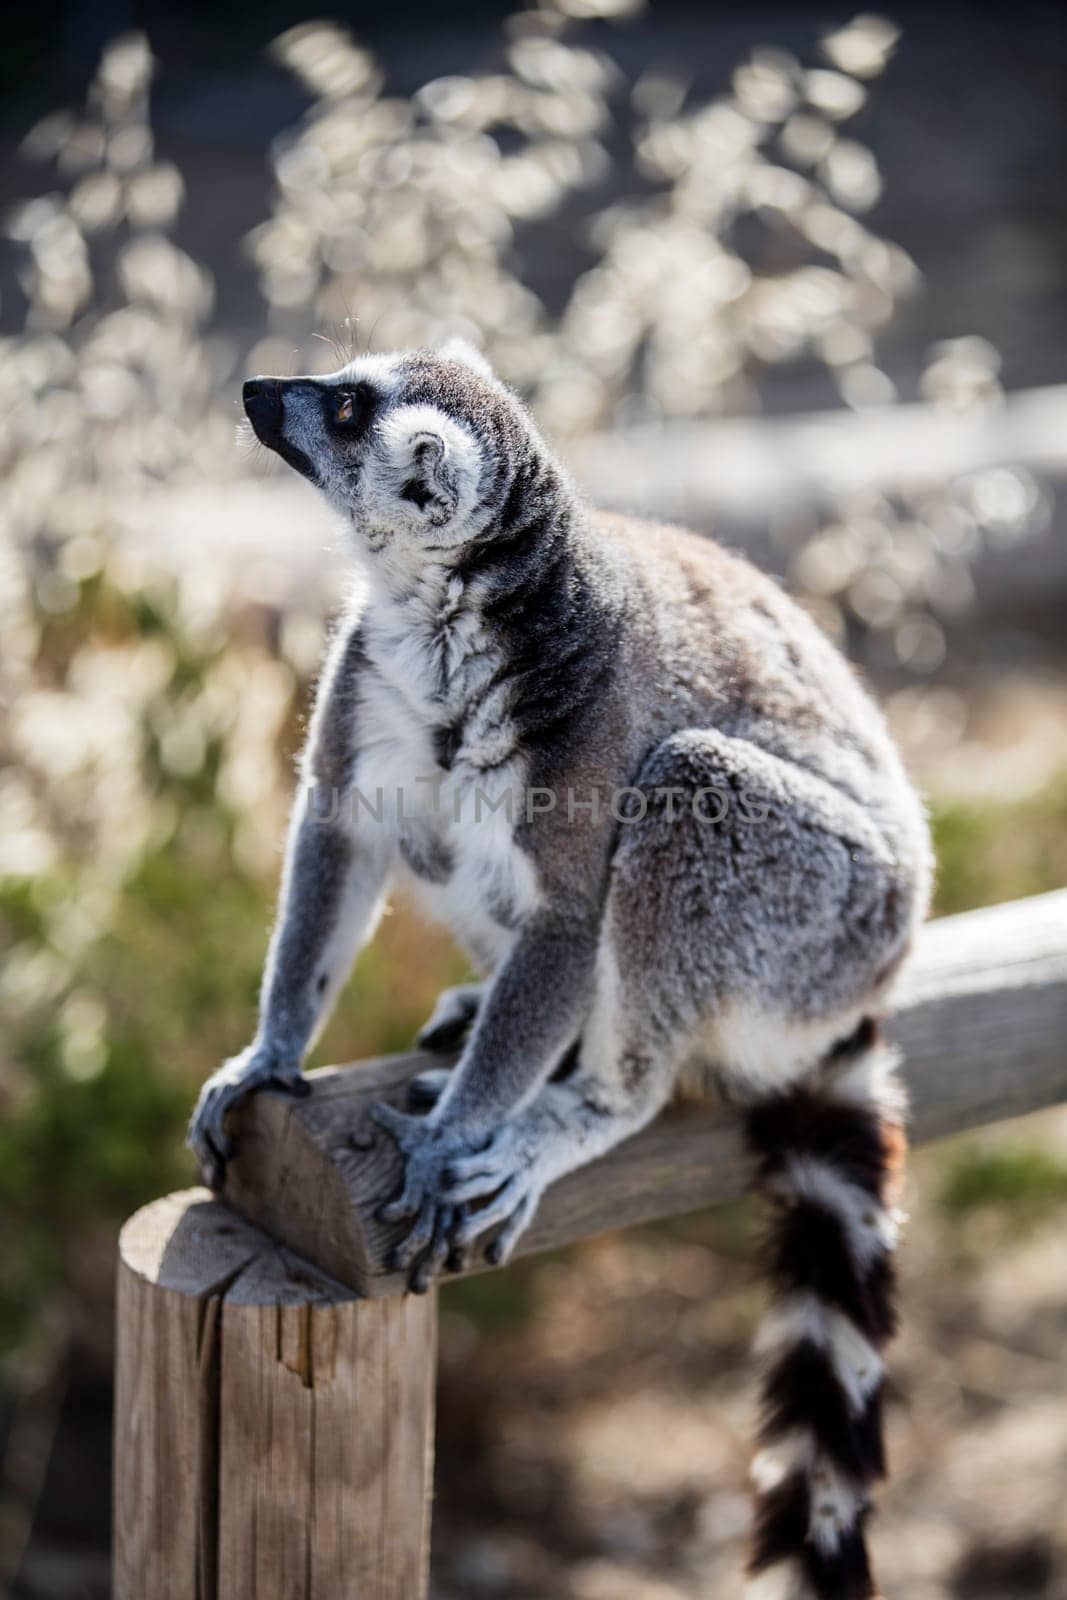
{"type": "Point", "coordinates": [176, 1260]}
{"type": "Point", "coordinates": [273, 1431]}
{"type": "Point", "coordinates": [981, 1015]}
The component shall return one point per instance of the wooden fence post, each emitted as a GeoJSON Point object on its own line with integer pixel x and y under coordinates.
{"type": "Point", "coordinates": [273, 1431]}
{"type": "Point", "coordinates": [273, 1427]}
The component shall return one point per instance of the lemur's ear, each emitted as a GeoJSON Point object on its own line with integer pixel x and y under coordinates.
{"type": "Point", "coordinates": [457, 349]}
{"type": "Point", "coordinates": [432, 485]}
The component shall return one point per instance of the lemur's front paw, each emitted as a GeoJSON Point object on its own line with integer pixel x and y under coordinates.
{"type": "Point", "coordinates": [444, 1171]}
{"type": "Point", "coordinates": [428, 1149]}
{"type": "Point", "coordinates": [237, 1078]}
{"type": "Point", "coordinates": [505, 1177]}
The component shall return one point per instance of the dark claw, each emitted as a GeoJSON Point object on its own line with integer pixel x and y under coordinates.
{"type": "Point", "coordinates": [494, 1253]}
{"type": "Point", "coordinates": [221, 1147]}
{"type": "Point", "coordinates": [459, 1255]}
{"type": "Point", "coordinates": [458, 1258]}
{"type": "Point", "coordinates": [440, 1252]}
{"type": "Point", "coordinates": [421, 1276]}
{"type": "Point", "coordinates": [422, 1096]}
{"type": "Point", "coordinates": [214, 1170]}
{"type": "Point", "coordinates": [299, 1088]}
{"type": "Point", "coordinates": [446, 1039]}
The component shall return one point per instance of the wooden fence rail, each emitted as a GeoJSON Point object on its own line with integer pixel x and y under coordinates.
{"type": "Point", "coordinates": [274, 1392]}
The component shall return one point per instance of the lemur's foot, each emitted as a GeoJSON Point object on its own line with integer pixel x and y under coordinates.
{"type": "Point", "coordinates": [237, 1078]}
{"type": "Point", "coordinates": [444, 1172]}
{"type": "Point", "coordinates": [451, 1020]}
{"type": "Point", "coordinates": [428, 1148]}
{"type": "Point", "coordinates": [498, 1187]}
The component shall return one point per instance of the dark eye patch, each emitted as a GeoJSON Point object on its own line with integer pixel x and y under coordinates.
{"type": "Point", "coordinates": [350, 409]}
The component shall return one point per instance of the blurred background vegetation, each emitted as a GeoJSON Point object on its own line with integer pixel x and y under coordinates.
{"type": "Point", "coordinates": [662, 225]}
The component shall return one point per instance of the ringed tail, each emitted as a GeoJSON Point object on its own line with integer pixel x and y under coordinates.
{"type": "Point", "coordinates": [829, 1154]}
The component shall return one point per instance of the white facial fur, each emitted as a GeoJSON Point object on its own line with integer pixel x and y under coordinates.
{"type": "Point", "coordinates": [408, 486]}
{"type": "Point", "coordinates": [420, 445]}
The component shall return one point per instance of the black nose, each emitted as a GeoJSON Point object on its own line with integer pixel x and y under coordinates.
{"type": "Point", "coordinates": [263, 407]}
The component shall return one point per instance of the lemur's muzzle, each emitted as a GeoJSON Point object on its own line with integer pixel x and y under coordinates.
{"type": "Point", "coordinates": [265, 409]}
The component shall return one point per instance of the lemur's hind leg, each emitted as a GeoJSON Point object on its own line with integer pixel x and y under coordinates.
{"type": "Point", "coordinates": [751, 910]}
{"type": "Point", "coordinates": [754, 913]}
{"type": "Point", "coordinates": [780, 920]}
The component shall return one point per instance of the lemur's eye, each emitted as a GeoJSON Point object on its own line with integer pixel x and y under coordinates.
{"type": "Point", "coordinates": [350, 410]}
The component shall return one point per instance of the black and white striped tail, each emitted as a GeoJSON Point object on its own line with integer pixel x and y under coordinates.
{"type": "Point", "coordinates": [829, 1155]}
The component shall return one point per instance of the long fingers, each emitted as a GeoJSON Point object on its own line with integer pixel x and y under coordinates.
{"type": "Point", "coordinates": [207, 1137]}
{"type": "Point", "coordinates": [498, 1209]}
{"type": "Point", "coordinates": [429, 1265]}
{"type": "Point", "coordinates": [500, 1249]}
{"type": "Point", "coordinates": [397, 1123]}
{"type": "Point", "coordinates": [416, 1240]}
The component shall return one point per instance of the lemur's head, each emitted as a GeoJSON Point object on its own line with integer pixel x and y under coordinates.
{"type": "Point", "coordinates": [408, 447]}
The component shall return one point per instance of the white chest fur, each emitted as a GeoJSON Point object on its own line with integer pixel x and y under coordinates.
{"type": "Point", "coordinates": [438, 767]}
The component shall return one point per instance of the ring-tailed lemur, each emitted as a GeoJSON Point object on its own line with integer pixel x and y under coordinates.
{"type": "Point", "coordinates": [656, 807]}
